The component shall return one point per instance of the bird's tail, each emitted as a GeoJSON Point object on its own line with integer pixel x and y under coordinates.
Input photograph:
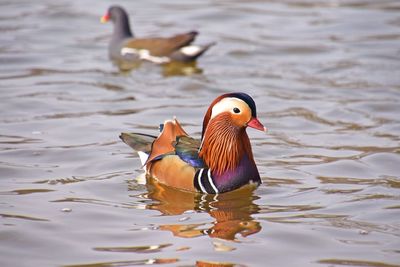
{"type": "Point", "coordinates": [190, 52]}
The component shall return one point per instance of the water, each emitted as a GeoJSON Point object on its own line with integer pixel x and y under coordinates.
{"type": "Point", "coordinates": [324, 74]}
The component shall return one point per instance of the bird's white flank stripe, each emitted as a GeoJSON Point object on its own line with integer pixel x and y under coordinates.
{"type": "Point", "coordinates": [144, 54]}
{"type": "Point", "coordinates": [128, 50]}
{"type": "Point", "coordinates": [200, 184]}
{"type": "Point", "coordinates": [211, 181]}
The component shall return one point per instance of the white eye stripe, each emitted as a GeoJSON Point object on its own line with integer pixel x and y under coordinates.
{"type": "Point", "coordinates": [226, 104]}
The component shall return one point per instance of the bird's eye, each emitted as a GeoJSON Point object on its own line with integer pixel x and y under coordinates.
{"type": "Point", "coordinates": [236, 110]}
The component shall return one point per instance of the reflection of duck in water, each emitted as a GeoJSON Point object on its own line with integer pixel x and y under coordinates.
{"type": "Point", "coordinates": [232, 211]}
{"type": "Point", "coordinates": [181, 69]}
{"type": "Point", "coordinates": [221, 162]}
{"type": "Point", "coordinates": [127, 51]}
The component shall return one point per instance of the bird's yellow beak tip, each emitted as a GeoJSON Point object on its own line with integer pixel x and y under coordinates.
{"type": "Point", "coordinates": [105, 18]}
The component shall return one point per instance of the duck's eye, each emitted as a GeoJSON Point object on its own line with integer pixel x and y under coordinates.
{"type": "Point", "coordinates": [236, 110]}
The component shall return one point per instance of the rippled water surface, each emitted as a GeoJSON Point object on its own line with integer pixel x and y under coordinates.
{"type": "Point", "coordinates": [325, 76]}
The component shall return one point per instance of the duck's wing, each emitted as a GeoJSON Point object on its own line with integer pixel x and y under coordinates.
{"type": "Point", "coordinates": [178, 167]}
{"type": "Point", "coordinates": [164, 164]}
{"type": "Point", "coordinates": [187, 149]}
{"type": "Point", "coordinates": [161, 47]}
{"type": "Point", "coordinates": [164, 144]}
{"type": "Point", "coordinates": [173, 140]}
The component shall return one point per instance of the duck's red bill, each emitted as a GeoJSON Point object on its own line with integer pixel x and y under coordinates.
{"type": "Point", "coordinates": [105, 18]}
{"type": "Point", "coordinates": [256, 124]}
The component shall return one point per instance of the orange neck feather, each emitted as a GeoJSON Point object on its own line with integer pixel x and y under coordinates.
{"type": "Point", "coordinates": [224, 144]}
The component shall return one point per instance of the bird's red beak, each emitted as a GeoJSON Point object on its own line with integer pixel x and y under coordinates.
{"type": "Point", "coordinates": [105, 18]}
{"type": "Point", "coordinates": [256, 124]}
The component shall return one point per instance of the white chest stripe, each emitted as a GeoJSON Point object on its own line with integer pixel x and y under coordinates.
{"type": "Point", "coordinates": [211, 181]}
{"type": "Point", "coordinates": [199, 179]}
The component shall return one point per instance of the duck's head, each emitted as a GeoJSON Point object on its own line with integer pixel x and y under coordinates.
{"type": "Point", "coordinates": [115, 13]}
{"type": "Point", "coordinates": [224, 138]}
{"type": "Point", "coordinates": [236, 109]}
{"type": "Point", "coordinates": [120, 19]}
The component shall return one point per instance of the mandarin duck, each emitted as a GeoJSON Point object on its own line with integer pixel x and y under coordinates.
{"type": "Point", "coordinates": [125, 47]}
{"type": "Point", "coordinates": [221, 161]}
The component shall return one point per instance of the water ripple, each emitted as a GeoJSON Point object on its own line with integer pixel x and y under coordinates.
{"type": "Point", "coordinates": [137, 249]}
{"type": "Point", "coordinates": [127, 263]}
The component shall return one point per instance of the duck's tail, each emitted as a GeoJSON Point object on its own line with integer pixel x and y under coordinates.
{"type": "Point", "coordinates": [141, 143]}
{"type": "Point", "coordinates": [190, 52]}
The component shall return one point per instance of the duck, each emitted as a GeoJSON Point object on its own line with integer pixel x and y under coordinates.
{"type": "Point", "coordinates": [220, 161]}
{"type": "Point", "coordinates": [124, 46]}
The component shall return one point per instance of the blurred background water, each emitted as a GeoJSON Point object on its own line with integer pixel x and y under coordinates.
{"type": "Point", "coordinates": [324, 74]}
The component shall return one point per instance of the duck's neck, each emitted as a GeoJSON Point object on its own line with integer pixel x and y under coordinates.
{"type": "Point", "coordinates": [224, 146]}
{"type": "Point", "coordinates": [122, 29]}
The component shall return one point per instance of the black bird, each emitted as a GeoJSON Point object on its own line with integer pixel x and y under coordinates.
{"type": "Point", "coordinates": [125, 47]}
